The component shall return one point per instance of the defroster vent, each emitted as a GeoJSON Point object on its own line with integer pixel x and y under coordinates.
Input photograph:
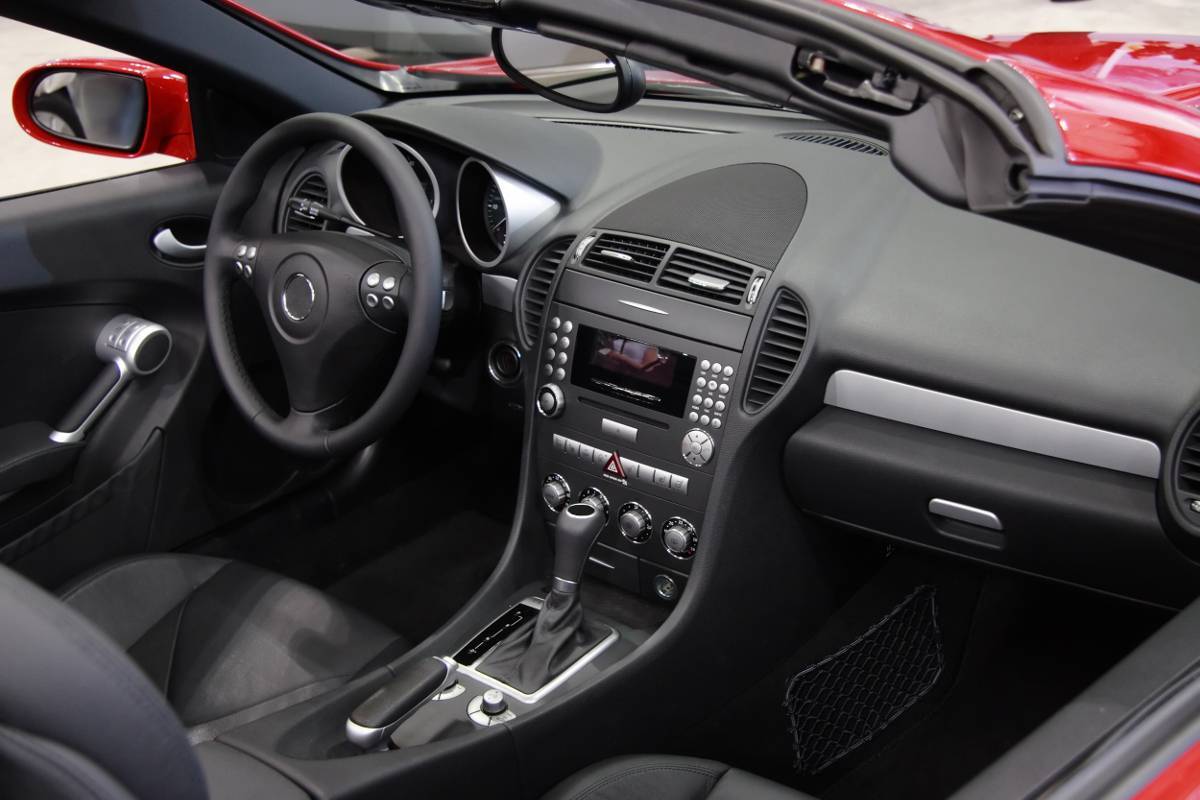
{"type": "Point", "coordinates": [536, 287]}
{"type": "Point", "coordinates": [779, 349]}
{"type": "Point", "coordinates": [627, 256]}
{"type": "Point", "coordinates": [312, 187]}
{"type": "Point", "coordinates": [707, 276]}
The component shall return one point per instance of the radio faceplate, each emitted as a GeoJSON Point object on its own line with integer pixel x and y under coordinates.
{"type": "Point", "coordinates": [643, 459]}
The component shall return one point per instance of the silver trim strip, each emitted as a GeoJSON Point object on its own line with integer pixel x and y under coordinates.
{"type": "Point", "coordinates": [1007, 427]}
{"type": "Point", "coordinates": [644, 307]}
{"type": "Point", "coordinates": [563, 677]}
{"type": "Point", "coordinates": [166, 243]}
{"type": "Point", "coordinates": [967, 514]}
{"type": "Point", "coordinates": [407, 148]}
{"type": "Point", "coordinates": [527, 211]}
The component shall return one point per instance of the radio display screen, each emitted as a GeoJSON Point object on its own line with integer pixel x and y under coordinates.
{"type": "Point", "coordinates": [632, 370]}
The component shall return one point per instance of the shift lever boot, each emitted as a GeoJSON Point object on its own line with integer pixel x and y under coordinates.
{"type": "Point", "coordinates": [559, 636]}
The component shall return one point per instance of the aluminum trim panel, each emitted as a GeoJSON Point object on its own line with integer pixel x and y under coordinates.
{"type": "Point", "coordinates": [1007, 427]}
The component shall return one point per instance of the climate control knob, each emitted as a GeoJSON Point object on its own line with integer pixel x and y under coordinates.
{"type": "Point", "coordinates": [635, 523]}
{"type": "Point", "coordinates": [679, 537]}
{"type": "Point", "coordinates": [595, 498]}
{"type": "Point", "coordinates": [556, 492]}
{"type": "Point", "coordinates": [550, 400]}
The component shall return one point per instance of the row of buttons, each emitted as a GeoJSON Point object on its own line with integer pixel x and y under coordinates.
{"type": "Point", "coordinates": [712, 386]}
{"type": "Point", "coordinates": [559, 340]}
{"type": "Point", "coordinates": [634, 470]}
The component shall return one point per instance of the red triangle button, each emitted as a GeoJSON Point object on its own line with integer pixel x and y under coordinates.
{"type": "Point", "coordinates": [613, 466]}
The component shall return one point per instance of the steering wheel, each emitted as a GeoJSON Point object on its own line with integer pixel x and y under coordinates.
{"type": "Point", "coordinates": [315, 291]}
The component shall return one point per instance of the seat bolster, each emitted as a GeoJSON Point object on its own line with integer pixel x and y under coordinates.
{"type": "Point", "coordinates": [668, 778]}
{"type": "Point", "coordinates": [126, 598]}
{"type": "Point", "coordinates": [647, 777]}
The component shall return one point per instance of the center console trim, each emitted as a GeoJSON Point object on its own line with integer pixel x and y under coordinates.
{"type": "Point", "coordinates": [530, 699]}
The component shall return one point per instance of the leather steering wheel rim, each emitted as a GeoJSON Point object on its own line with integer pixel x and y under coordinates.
{"type": "Point", "coordinates": [421, 241]}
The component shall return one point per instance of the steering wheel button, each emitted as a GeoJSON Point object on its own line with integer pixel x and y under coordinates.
{"type": "Point", "coordinates": [389, 302]}
{"type": "Point", "coordinates": [240, 252]}
{"type": "Point", "coordinates": [373, 280]}
{"type": "Point", "coordinates": [389, 283]}
{"type": "Point", "coordinates": [251, 253]}
{"type": "Point", "coordinates": [372, 299]}
{"type": "Point", "coordinates": [248, 270]}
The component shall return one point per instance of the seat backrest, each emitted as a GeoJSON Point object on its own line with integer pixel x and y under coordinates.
{"type": "Point", "coordinates": [77, 716]}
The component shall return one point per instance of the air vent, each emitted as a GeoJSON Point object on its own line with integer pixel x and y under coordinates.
{"type": "Point", "coordinates": [840, 141]}
{"type": "Point", "coordinates": [312, 188]}
{"type": "Point", "coordinates": [627, 256]}
{"type": "Point", "coordinates": [535, 292]}
{"type": "Point", "coordinates": [1187, 474]}
{"type": "Point", "coordinates": [706, 276]}
{"type": "Point", "coordinates": [779, 349]}
{"type": "Point", "coordinates": [630, 126]}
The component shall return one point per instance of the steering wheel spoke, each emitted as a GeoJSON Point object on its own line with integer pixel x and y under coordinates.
{"type": "Point", "coordinates": [333, 302]}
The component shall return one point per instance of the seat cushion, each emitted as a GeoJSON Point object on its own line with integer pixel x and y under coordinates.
{"type": "Point", "coordinates": [668, 778]}
{"type": "Point", "coordinates": [225, 642]}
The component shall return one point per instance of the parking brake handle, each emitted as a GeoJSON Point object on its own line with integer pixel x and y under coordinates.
{"type": "Point", "coordinates": [411, 686]}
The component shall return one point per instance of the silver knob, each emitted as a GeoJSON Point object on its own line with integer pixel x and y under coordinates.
{"type": "Point", "coordinates": [679, 537]}
{"type": "Point", "coordinates": [556, 492]}
{"type": "Point", "coordinates": [493, 703]}
{"type": "Point", "coordinates": [635, 523]}
{"type": "Point", "coordinates": [595, 498]}
{"type": "Point", "coordinates": [550, 400]}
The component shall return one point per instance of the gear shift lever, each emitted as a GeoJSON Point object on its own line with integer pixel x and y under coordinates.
{"type": "Point", "coordinates": [577, 529]}
{"type": "Point", "coordinates": [560, 635]}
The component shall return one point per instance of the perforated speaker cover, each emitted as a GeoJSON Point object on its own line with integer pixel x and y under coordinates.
{"type": "Point", "coordinates": [748, 211]}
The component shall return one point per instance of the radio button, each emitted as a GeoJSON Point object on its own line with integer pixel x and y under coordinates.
{"type": "Point", "coordinates": [697, 447]}
{"type": "Point", "coordinates": [708, 402]}
{"type": "Point", "coordinates": [724, 389]}
{"type": "Point", "coordinates": [716, 368]}
{"type": "Point", "coordinates": [696, 399]}
{"type": "Point", "coordinates": [693, 416]}
{"type": "Point", "coordinates": [550, 353]}
{"type": "Point", "coordinates": [704, 365]}
{"type": "Point", "coordinates": [712, 385]}
{"type": "Point", "coordinates": [554, 323]}
{"type": "Point", "coordinates": [586, 451]}
{"type": "Point", "coordinates": [564, 342]}
{"type": "Point", "coordinates": [551, 337]}
{"type": "Point", "coordinates": [728, 372]}
{"type": "Point", "coordinates": [568, 326]}
{"type": "Point", "coordinates": [704, 420]}
{"type": "Point", "coordinates": [560, 374]}
{"type": "Point", "coordinates": [548, 370]}
{"type": "Point", "coordinates": [701, 382]}
{"type": "Point", "coordinates": [618, 430]}
{"type": "Point", "coordinates": [600, 457]}
{"type": "Point", "coordinates": [662, 478]}
{"type": "Point", "coordinates": [720, 406]}
{"type": "Point", "coordinates": [716, 423]}
{"type": "Point", "coordinates": [679, 484]}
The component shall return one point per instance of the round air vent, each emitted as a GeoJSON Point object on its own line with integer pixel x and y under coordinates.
{"type": "Point", "coordinates": [310, 187]}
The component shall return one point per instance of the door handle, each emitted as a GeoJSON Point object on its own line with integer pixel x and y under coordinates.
{"type": "Point", "coordinates": [167, 244]}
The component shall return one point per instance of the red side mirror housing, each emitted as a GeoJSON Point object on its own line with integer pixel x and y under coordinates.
{"type": "Point", "coordinates": [111, 107]}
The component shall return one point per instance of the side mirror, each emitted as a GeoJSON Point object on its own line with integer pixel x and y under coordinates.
{"type": "Point", "coordinates": [571, 74]}
{"type": "Point", "coordinates": [106, 106]}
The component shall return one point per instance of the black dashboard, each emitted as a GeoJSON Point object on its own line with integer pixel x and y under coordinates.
{"type": "Point", "coordinates": [924, 374]}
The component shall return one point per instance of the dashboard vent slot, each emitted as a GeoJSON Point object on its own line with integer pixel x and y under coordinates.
{"type": "Point", "coordinates": [627, 256]}
{"type": "Point", "coordinates": [535, 292]}
{"type": "Point", "coordinates": [1187, 476]}
{"type": "Point", "coordinates": [630, 126]}
{"type": "Point", "coordinates": [840, 141]}
{"type": "Point", "coordinates": [779, 349]}
{"type": "Point", "coordinates": [312, 188]}
{"type": "Point", "coordinates": [706, 276]}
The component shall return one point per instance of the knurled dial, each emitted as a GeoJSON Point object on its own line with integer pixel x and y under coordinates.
{"type": "Point", "coordinates": [697, 447]}
{"type": "Point", "coordinates": [635, 522]}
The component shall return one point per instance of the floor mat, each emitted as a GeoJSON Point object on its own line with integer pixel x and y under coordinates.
{"type": "Point", "coordinates": [416, 587]}
{"type": "Point", "coordinates": [843, 701]}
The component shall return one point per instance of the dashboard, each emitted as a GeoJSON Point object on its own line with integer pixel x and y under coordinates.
{"type": "Point", "coordinates": [904, 370]}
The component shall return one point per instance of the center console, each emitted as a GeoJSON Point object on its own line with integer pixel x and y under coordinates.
{"type": "Point", "coordinates": [634, 396]}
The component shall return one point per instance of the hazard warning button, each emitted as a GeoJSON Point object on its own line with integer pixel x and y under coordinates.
{"type": "Point", "coordinates": [613, 468]}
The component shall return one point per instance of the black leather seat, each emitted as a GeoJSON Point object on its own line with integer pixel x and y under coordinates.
{"type": "Point", "coordinates": [225, 642]}
{"type": "Point", "coordinates": [668, 778]}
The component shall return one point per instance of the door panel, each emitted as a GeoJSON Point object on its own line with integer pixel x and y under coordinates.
{"type": "Point", "coordinates": [73, 259]}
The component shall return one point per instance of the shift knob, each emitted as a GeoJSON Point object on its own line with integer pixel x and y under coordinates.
{"type": "Point", "coordinates": [578, 526]}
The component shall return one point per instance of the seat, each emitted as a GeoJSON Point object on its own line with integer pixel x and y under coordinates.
{"type": "Point", "coordinates": [224, 642]}
{"type": "Point", "coordinates": [668, 778]}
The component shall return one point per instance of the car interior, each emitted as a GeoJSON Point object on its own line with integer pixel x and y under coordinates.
{"type": "Point", "coordinates": [481, 443]}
